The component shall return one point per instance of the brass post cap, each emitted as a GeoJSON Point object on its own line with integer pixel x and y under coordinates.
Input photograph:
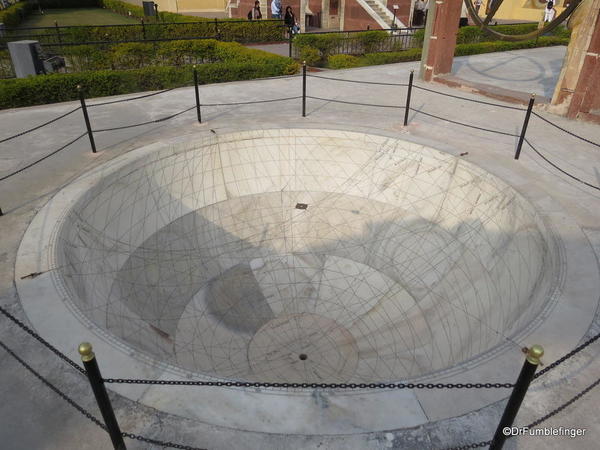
{"type": "Point", "coordinates": [78, 87]}
{"type": "Point", "coordinates": [85, 350]}
{"type": "Point", "coordinates": [534, 354]}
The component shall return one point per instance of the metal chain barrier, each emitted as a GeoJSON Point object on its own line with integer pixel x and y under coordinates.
{"type": "Point", "coordinates": [133, 98]}
{"type": "Point", "coordinates": [40, 126]}
{"type": "Point", "coordinates": [554, 412]}
{"type": "Point", "coordinates": [564, 130]}
{"type": "Point", "coordinates": [354, 103]}
{"type": "Point", "coordinates": [145, 123]}
{"type": "Point", "coordinates": [85, 412]}
{"type": "Point", "coordinates": [313, 385]}
{"type": "Point", "coordinates": [44, 157]}
{"type": "Point", "coordinates": [464, 124]}
{"type": "Point", "coordinates": [559, 169]}
{"type": "Point", "coordinates": [567, 356]}
{"type": "Point", "coordinates": [359, 82]}
{"type": "Point", "coordinates": [41, 340]}
{"type": "Point", "coordinates": [137, 437]}
{"type": "Point", "coordinates": [468, 446]}
{"type": "Point", "coordinates": [253, 102]}
{"type": "Point", "coordinates": [469, 99]}
{"type": "Point", "coordinates": [64, 396]}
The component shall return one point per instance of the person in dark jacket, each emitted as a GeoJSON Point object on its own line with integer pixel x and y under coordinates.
{"type": "Point", "coordinates": [255, 13]}
{"type": "Point", "coordinates": [290, 20]}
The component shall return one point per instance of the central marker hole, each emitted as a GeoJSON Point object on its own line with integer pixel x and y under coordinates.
{"type": "Point", "coordinates": [303, 356]}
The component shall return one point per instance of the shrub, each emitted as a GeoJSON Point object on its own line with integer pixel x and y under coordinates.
{"type": "Point", "coordinates": [238, 63]}
{"type": "Point", "coordinates": [62, 87]}
{"type": "Point", "coordinates": [325, 44]}
{"type": "Point", "coordinates": [310, 55]}
{"type": "Point", "coordinates": [13, 15]}
{"type": "Point", "coordinates": [343, 61]}
{"type": "Point", "coordinates": [371, 40]}
{"type": "Point", "coordinates": [86, 57]}
{"type": "Point", "coordinates": [132, 55]}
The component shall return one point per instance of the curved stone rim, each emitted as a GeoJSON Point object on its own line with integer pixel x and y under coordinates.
{"type": "Point", "coordinates": [45, 303]}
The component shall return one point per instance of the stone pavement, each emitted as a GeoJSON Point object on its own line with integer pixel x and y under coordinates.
{"type": "Point", "coordinates": [33, 417]}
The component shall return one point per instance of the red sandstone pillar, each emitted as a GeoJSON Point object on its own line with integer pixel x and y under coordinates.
{"type": "Point", "coordinates": [586, 98]}
{"type": "Point", "coordinates": [577, 94]}
{"type": "Point", "coordinates": [440, 38]}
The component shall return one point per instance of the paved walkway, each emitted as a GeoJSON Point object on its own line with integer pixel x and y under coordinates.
{"type": "Point", "coordinates": [33, 416]}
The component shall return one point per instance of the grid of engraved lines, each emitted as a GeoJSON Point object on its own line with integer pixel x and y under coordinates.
{"type": "Point", "coordinates": [305, 256]}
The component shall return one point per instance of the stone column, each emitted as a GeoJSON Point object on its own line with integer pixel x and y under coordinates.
{"type": "Point", "coordinates": [325, 16]}
{"type": "Point", "coordinates": [341, 13]}
{"type": "Point", "coordinates": [577, 93]}
{"type": "Point", "coordinates": [440, 38]}
{"type": "Point", "coordinates": [302, 15]}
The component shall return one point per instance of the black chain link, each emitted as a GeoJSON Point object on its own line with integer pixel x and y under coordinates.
{"type": "Point", "coordinates": [355, 103]}
{"type": "Point", "coordinates": [570, 175]}
{"type": "Point", "coordinates": [43, 158]}
{"type": "Point", "coordinates": [40, 126]}
{"type": "Point", "coordinates": [564, 130]}
{"type": "Point", "coordinates": [256, 384]}
{"type": "Point", "coordinates": [86, 413]}
{"type": "Point", "coordinates": [252, 102]}
{"type": "Point", "coordinates": [168, 444]}
{"type": "Point", "coordinates": [359, 82]}
{"type": "Point", "coordinates": [468, 99]}
{"type": "Point", "coordinates": [567, 356]}
{"type": "Point", "coordinates": [111, 102]}
{"type": "Point", "coordinates": [41, 340]}
{"type": "Point", "coordinates": [468, 446]}
{"type": "Point", "coordinates": [146, 123]}
{"type": "Point", "coordinates": [554, 412]}
{"type": "Point", "coordinates": [64, 396]}
{"type": "Point", "coordinates": [464, 124]}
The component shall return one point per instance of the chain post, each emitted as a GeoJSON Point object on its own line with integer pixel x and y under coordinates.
{"type": "Point", "coordinates": [407, 107]}
{"type": "Point", "coordinates": [156, 12]}
{"type": "Point", "coordinates": [525, 123]}
{"type": "Point", "coordinates": [197, 95]}
{"type": "Point", "coordinates": [143, 29]}
{"type": "Point", "coordinates": [532, 361]}
{"type": "Point", "coordinates": [93, 373]}
{"type": "Point", "coordinates": [86, 118]}
{"type": "Point", "coordinates": [290, 40]}
{"type": "Point", "coordinates": [217, 30]}
{"type": "Point", "coordinates": [58, 33]}
{"type": "Point", "coordinates": [303, 88]}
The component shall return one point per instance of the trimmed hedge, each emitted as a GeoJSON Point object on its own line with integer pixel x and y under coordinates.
{"type": "Point", "coordinates": [63, 87]}
{"type": "Point", "coordinates": [135, 55]}
{"type": "Point", "coordinates": [227, 61]}
{"type": "Point", "coordinates": [473, 34]}
{"type": "Point", "coordinates": [317, 48]}
{"type": "Point", "coordinates": [13, 15]}
{"type": "Point", "coordinates": [414, 54]}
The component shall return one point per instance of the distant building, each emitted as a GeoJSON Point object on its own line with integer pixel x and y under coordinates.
{"type": "Point", "coordinates": [324, 14]}
{"type": "Point", "coordinates": [522, 10]}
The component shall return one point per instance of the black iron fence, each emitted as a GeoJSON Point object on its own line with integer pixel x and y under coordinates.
{"type": "Point", "coordinates": [92, 371]}
{"type": "Point", "coordinates": [244, 31]}
{"type": "Point", "coordinates": [358, 42]}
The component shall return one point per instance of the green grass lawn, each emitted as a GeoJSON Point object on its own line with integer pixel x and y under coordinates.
{"type": "Point", "coordinates": [75, 16]}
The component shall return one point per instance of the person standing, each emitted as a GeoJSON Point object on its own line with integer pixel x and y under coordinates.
{"type": "Point", "coordinates": [276, 9]}
{"type": "Point", "coordinates": [290, 20]}
{"type": "Point", "coordinates": [419, 14]}
{"type": "Point", "coordinates": [549, 12]}
{"type": "Point", "coordinates": [255, 13]}
{"type": "Point", "coordinates": [478, 5]}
